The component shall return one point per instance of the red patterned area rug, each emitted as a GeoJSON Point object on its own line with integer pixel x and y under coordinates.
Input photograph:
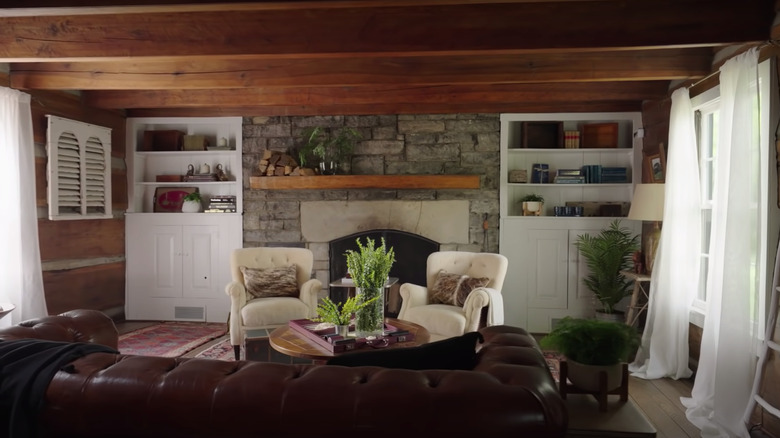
{"type": "Point", "coordinates": [169, 339]}
{"type": "Point", "coordinates": [220, 350]}
{"type": "Point", "coordinates": [553, 359]}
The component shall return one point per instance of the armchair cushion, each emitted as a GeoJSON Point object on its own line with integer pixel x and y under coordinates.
{"type": "Point", "coordinates": [458, 353]}
{"type": "Point", "coordinates": [272, 282]}
{"type": "Point", "coordinates": [453, 289]}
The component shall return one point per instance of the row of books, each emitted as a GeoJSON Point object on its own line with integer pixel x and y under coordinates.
{"type": "Point", "coordinates": [592, 174]}
{"type": "Point", "coordinates": [571, 139]}
{"type": "Point", "coordinates": [221, 204]}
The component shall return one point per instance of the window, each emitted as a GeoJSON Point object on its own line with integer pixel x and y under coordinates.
{"type": "Point", "coordinates": [707, 144]}
{"type": "Point", "coordinates": [707, 119]}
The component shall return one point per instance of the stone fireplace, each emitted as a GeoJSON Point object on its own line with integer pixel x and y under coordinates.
{"type": "Point", "coordinates": [457, 144]}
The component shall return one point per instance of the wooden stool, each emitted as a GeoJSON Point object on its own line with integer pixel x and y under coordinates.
{"type": "Point", "coordinates": [602, 393]}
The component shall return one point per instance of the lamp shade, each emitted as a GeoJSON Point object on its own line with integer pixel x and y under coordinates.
{"type": "Point", "coordinates": [648, 203]}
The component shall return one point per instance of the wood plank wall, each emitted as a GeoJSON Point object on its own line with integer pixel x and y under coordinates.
{"type": "Point", "coordinates": [83, 260]}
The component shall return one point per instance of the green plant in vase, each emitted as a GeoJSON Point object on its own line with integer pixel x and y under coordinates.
{"type": "Point", "coordinates": [370, 267]}
{"type": "Point", "coordinates": [330, 312]}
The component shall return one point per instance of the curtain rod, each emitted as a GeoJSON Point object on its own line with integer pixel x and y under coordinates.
{"type": "Point", "coordinates": [763, 45]}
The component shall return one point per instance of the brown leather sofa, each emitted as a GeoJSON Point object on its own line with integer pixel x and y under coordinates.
{"type": "Point", "coordinates": [510, 393]}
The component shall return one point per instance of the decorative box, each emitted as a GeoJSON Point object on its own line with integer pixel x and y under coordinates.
{"type": "Point", "coordinates": [518, 176]}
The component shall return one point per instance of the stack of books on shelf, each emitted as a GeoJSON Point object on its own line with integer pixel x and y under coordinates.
{"type": "Point", "coordinates": [222, 204]}
{"type": "Point", "coordinates": [592, 173]}
{"type": "Point", "coordinates": [614, 175]}
{"type": "Point", "coordinates": [571, 139]}
{"type": "Point", "coordinates": [201, 177]}
{"type": "Point", "coordinates": [596, 174]}
{"type": "Point", "coordinates": [570, 176]}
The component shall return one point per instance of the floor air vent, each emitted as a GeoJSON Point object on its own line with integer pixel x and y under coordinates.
{"type": "Point", "coordinates": [189, 313]}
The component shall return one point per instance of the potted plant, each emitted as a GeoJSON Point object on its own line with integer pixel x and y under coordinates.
{"type": "Point", "coordinates": [592, 346]}
{"type": "Point", "coordinates": [191, 203]}
{"type": "Point", "coordinates": [339, 316]}
{"type": "Point", "coordinates": [533, 205]}
{"type": "Point", "coordinates": [332, 148]}
{"type": "Point", "coordinates": [606, 255]}
{"type": "Point", "coordinates": [370, 268]}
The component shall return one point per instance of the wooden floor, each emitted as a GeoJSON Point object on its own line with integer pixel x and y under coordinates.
{"type": "Point", "coordinates": [659, 400]}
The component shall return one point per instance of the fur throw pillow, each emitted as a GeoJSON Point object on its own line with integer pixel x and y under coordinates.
{"type": "Point", "coordinates": [454, 288]}
{"type": "Point", "coordinates": [272, 282]}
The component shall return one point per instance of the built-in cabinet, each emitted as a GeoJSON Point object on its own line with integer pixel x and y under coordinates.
{"type": "Point", "coordinates": [178, 263]}
{"type": "Point", "coordinates": [543, 282]}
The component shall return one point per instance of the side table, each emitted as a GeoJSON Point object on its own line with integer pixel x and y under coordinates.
{"type": "Point", "coordinates": [635, 309]}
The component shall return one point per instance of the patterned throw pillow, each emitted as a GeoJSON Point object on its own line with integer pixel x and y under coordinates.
{"type": "Point", "coordinates": [454, 288]}
{"type": "Point", "coordinates": [272, 282]}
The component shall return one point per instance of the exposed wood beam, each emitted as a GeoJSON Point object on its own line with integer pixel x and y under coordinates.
{"type": "Point", "coordinates": [326, 30]}
{"type": "Point", "coordinates": [372, 95]}
{"type": "Point", "coordinates": [390, 108]}
{"type": "Point", "coordinates": [230, 72]}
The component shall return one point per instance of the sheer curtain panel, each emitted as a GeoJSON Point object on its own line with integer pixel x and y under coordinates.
{"type": "Point", "coordinates": [664, 351]}
{"type": "Point", "coordinates": [21, 280]}
{"type": "Point", "coordinates": [727, 359]}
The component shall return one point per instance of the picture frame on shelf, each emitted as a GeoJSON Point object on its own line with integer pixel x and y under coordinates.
{"type": "Point", "coordinates": [170, 199]}
{"type": "Point", "coordinates": [655, 165]}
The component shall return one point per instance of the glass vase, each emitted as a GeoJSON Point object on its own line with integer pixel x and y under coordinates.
{"type": "Point", "coordinates": [370, 320]}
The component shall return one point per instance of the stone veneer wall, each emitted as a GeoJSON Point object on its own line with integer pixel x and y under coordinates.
{"type": "Point", "coordinates": [393, 145]}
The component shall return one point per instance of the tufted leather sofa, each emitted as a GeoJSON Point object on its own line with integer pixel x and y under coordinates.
{"type": "Point", "coordinates": [510, 393]}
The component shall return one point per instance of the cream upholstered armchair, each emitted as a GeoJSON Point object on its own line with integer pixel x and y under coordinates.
{"type": "Point", "coordinates": [270, 287]}
{"type": "Point", "coordinates": [462, 295]}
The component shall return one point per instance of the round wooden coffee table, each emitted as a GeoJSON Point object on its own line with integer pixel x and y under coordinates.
{"type": "Point", "coordinates": [290, 342]}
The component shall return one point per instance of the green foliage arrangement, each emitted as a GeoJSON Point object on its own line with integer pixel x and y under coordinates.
{"type": "Point", "coordinates": [592, 341]}
{"type": "Point", "coordinates": [370, 266]}
{"type": "Point", "coordinates": [194, 196]}
{"type": "Point", "coordinates": [328, 311]}
{"type": "Point", "coordinates": [532, 198]}
{"type": "Point", "coordinates": [606, 254]}
{"type": "Point", "coordinates": [324, 144]}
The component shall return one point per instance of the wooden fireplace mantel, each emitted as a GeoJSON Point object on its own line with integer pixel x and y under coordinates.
{"type": "Point", "coordinates": [320, 182]}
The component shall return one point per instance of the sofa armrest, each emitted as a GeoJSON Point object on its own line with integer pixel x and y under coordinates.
{"type": "Point", "coordinates": [412, 295]}
{"type": "Point", "coordinates": [478, 299]}
{"type": "Point", "coordinates": [310, 295]}
{"type": "Point", "coordinates": [237, 293]}
{"type": "Point", "coordinates": [83, 325]}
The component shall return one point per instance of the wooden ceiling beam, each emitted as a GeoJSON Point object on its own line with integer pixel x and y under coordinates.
{"type": "Point", "coordinates": [389, 108]}
{"type": "Point", "coordinates": [374, 95]}
{"type": "Point", "coordinates": [229, 72]}
{"type": "Point", "coordinates": [338, 29]}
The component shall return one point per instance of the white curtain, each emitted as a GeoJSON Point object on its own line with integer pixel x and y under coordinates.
{"type": "Point", "coordinates": [727, 359]}
{"type": "Point", "coordinates": [664, 351]}
{"type": "Point", "coordinates": [21, 280]}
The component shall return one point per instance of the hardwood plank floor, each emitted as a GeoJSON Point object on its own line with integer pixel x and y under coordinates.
{"type": "Point", "coordinates": [659, 399]}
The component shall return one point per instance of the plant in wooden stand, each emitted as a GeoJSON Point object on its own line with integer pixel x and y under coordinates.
{"type": "Point", "coordinates": [606, 255]}
{"type": "Point", "coordinates": [370, 268]}
{"type": "Point", "coordinates": [533, 205]}
{"type": "Point", "coordinates": [192, 203]}
{"type": "Point", "coordinates": [592, 346]}
{"type": "Point", "coordinates": [332, 148]}
{"type": "Point", "coordinates": [339, 316]}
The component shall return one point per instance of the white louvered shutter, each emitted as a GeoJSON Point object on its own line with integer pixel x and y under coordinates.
{"type": "Point", "coordinates": [79, 170]}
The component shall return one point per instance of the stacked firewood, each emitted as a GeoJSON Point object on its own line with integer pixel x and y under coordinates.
{"type": "Point", "coordinates": [276, 163]}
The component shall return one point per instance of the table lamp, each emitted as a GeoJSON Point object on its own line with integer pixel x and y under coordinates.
{"type": "Point", "coordinates": [648, 205]}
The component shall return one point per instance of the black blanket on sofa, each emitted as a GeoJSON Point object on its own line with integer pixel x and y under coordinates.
{"type": "Point", "coordinates": [26, 368]}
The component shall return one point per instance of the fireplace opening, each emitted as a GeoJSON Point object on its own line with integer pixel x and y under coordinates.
{"type": "Point", "coordinates": [411, 255]}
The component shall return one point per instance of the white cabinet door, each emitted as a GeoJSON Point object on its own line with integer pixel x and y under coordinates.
{"type": "Point", "coordinates": [548, 273]}
{"type": "Point", "coordinates": [165, 264]}
{"type": "Point", "coordinates": [199, 259]}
